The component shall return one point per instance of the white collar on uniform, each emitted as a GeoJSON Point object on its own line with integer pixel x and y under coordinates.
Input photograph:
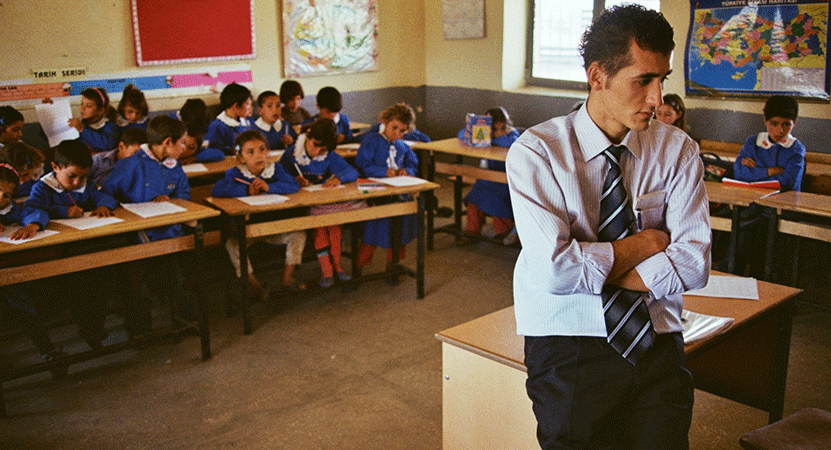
{"type": "Point", "coordinates": [122, 122]}
{"type": "Point", "coordinates": [168, 162]}
{"type": "Point", "coordinates": [267, 172]}
{"type": "Point", "coordinates": [763, 140]}
{"type": "Point", "coordinates": [8, 208]}
{"type": "Point", "coordinates": [99, 124]}
{"type": "Point", "coordinates": [52, 182]}
{"type": "Point", "coordinates": [336, 119]}
{"type": "Point", "coordinates": [231, 122]}
{"type": "Point", "coordinates": [300, 154]}
{"type": "Point", "coordinates": [261, 124]}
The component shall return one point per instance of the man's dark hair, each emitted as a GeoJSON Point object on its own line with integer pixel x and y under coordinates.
{"type": "Point", "coordinates": [72, 152]}
{"type": "Point", "coordinates": [607, 40]}
{"type": "Point", "coordinates": [163, 127]}
{"type": "Point", "coordinates": [781, 106]}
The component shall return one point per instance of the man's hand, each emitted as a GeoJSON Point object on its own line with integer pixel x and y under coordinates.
{"type": "Point", "coordinates": [633, 250]}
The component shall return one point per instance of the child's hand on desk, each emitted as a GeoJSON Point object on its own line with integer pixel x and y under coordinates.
{"type": "Point", "coordinates": [161, 198]}
{"type": "Point", "coordinates": [390, 173]}
{"type": "Point", "coordinates": [25, 232]}
{"type": "Point", "coordinates": [76, 123]}
{"type": "Point", "coordinates": [749, 162]}
{"type": "Point", "coordinates": [775, 171]}
{"type": "Point", "coordinates": [303, 182]}
{"type": "Point", "coordinates": [73, 212]}
{"type": "Point", "coordinates": [257, 186]}
{"type": "Point", "coordinates": [102, 211]}
{"type": "Point", "coordinates": [401, 172]}
{"type": "Point", "coordinates": [287, 140]}
{"type": "Point", "coordinates": [332, 182]}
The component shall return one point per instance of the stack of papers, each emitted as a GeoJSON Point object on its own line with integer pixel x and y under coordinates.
{"type": "Point", "coordinates": [701, 326]}
{"type": "Point", "coordinates": [729, 287]}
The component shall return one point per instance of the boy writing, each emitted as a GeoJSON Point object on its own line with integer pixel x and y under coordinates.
{"type": "Point", "coordinates": [277, 131]}
{"type": "Point", "coordinates": [103, 163]}
{"type": "Point", "coordinates": [236, 102]}
{"type": "Point", "coordinates": [774, 154]}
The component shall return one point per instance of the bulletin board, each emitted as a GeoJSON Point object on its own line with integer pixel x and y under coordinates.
{"type": "Point", "coordinates": [184, 31]}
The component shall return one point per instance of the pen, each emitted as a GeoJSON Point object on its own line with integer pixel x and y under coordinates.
{"type": "Point", "coordinates": [71, 199]}
{"type": "Point", "coordinates": [242, 181]}
{"type": "Point", "coordinates": [769, 194]}
{"type": "Point", "coordinates": [299, 172]}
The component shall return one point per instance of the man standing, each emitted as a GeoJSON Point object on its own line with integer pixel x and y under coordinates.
{"type": "Point", "coordinates": [613, 213]}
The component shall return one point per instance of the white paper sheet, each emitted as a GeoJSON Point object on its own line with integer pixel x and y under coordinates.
{"type": "Point", "coordinates": [275, 153]}
{"type": "Point", "coordinates": [319, 187]}
{"type": "Point", "coordinates": [264, 199]}
{"type": "Point", "coordinates": [152, 209]}
{"type": "Point", "coordinates": [350, 146]}
{"type": "Point", "coordinates": [701, 326]}
{"type": "Point", "coordinates": [4, 235]}
{"type": "Point", "coordinates": [400, 181]}
{"type": "Point", "coordinates": [88, 221]}
{"type": "Point", "coordinates": [195, 167]}
{"type": "Point", "coordinates": [730, 287]}
{"type": "Point", "coordinates": [54, 119]}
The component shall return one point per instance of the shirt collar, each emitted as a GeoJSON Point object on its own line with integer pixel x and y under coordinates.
{"type": "Point", "coordinates": [763, 140]}
{"type": "Point", "coordinates": [168, 162]}
{"type": "Point", "coordinates": [300, 155]}
{"type": "Point", "coordinates": [267, 172]}
{"type": "Point", "coordinates": [261, 124]}
{"type": "Point", "coordinates": [336, 119]}
{"type": "Point", "coordinates": [99, 124]}
{"type": "Point", "coordinates": [593, 141]}
{"type": "Point", "coordinates": [52, 182]}
{"type": "Point", "coordinates": [8, 208]}
{"type": "Point", "coordinates": [231, 122]}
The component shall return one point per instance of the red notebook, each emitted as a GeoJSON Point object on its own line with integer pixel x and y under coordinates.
{"type": "Point", "coordinates": [769, 184]}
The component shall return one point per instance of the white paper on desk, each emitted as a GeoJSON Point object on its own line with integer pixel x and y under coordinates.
{"type": "Point", "coordinates": [319, 187]}
{"type": "Point", "coordinates": [350, 146]}
{"type": "Point", "coordinates": [700, 326]}
{"type": "Point", "coordinates": [195, 167]}
{"type": "Point", "coordinates": [88, 221]}
{"type": "Point", "coordinates": [400, 181]}
{"type": "Point", "coordinates": [4, 235]}
{"type": "Point", "coordinates": [729, 287]}
{"type": "Point", "coordinates": [263, 199]}
{"type": "Point", "coordinates": [152, 209]}
{"type": "Point", "coordinates": [54, 119]}
{"type": "Point", "coordinates": [275, 153]}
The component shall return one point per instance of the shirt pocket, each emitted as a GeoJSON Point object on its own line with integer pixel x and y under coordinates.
{"type": "Point", "coordinates": [650, 210]}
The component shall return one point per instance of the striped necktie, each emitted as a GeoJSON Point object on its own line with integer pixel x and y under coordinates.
{"type": "Point", "coordinates": [628, 327]}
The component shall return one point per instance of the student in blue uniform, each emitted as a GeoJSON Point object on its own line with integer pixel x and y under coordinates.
{"type": "Point", "coordinates": [132, 109]}
{"type": "Point", "coordinates": [11, 125]}
{"type": "Point", "coordinates": [103, 163]}
{"type": "Point", "coordinates": [774, 154]}
{"type": "Point", "coordinates": [291, 94]}
{"type": "Point", "coordinates": [330, 102]}
{"type": "Point", "coordinates": [236, 102]}
{"type": "Point", "coordinates": [413, 134]}
{"type": "Point", "coordinates": [97, 123]}
{"type": "Point", "coordinates": [313, 161]}
{"type": "Point", "coordinates": [256, 175]}
{"type": "Point", "coordinates": [31, 219]}
{"type": "Point", "coordinates": [278, 132]}
{"type": "Point", "coordinates": [27, 161]}
{"type": "Point", "coordinates": [384, 154]}
{"type": "Point", "coordinates": [490, 197]}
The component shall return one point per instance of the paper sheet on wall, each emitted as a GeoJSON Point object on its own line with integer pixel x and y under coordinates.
{"type": "Point", "coordinates": [400, 181]}
{"type": "Point", "coordinates": [265, 199]}
{"type": "Point", "coordinates": [88, 221]}
{"type": "Point", "coordinates": [701, 326]}
{"type": "Point", "coordinates": [4, 235]}
{"type": "Point", "coordinates": [152, 209]}
{"type": "Point", "coordinates": [729, 287]}
{"type": "Point", "coordinates": [195, 167]}
{"type": "Point", "coordinates": [54, 119]}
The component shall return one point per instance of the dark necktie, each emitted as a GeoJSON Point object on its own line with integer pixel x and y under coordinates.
{"type": "Point", "coordinates": [628, 327]}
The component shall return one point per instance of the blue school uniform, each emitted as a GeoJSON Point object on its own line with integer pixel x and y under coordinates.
{"type": "Point", "coordinates": [414, 135]}
{"type": "Point", "coordinates": [494, 199]}
{"type": "Point", "coordinates": [790, 155]}
{"type": "Point", "coordinates": [102, 165]}
{"type": "Point", "coordinates": [222, 132]}
{"type": "Point", "coordinates": [318, 169]}
{"type": "Point", "coordinates": [342, 123]}
{"type": "Point", "coordinates": [278, 180]}
{"type": "Point", "coordinates": [274, 132]}
{"type": "Point", "coordinates": [124, 124]}
{"type": "Point", "coordinates": [48, 195]}
{"type": "Point", "coordinates": [25, 188]}
{"type": "Point", "coordinates": [100, 136]}
{"type": "Point", "coordinates": [375, 155]}
{"type": "Point", "coordinates": [14, 213]}
{"type": "Point", "coordinates": [141, 178]}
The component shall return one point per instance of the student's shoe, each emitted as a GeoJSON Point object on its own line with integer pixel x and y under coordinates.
{"type": "Point", "coordinates": [327, 282]}
{"type": "Point", "coordinates": [511, 239]}
{"type": "Point", "coordinates": [343, 276]}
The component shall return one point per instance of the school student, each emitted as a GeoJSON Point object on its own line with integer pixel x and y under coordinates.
{"type": "Point", "coordinates": [384, 154]}
{"type": "Point", "coordinates": [97, 123]}
{"type": "Point", "coordinates": [278, 132]}
{"type": "Point", "coordinates": [233, 120]}
{"type": "Point", "coordinates": [314, 161]}
{"type": "Point", "coordinates": [329, 103]}
{"type": "Point", "coordinates": [257, 175]}
{"type": "Point", "coordinates": [291, 94]}
{"type": "Point", "coordinates": [103, 163]}
{"type": "Point", "coordinates": [413, 134]}
{"type": "Point", "coordinates": [11, 125]}
{"type": "Point", "coordinates": [27, 161]}
{"type": "Point", "coordinates": [132, 109]}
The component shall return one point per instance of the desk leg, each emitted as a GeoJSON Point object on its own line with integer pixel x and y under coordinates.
{"type": "Point", "coordinates": [457, 198]}
{"type": "Point", "coordinates": [420, 248]}
{"type": "Point", "coordinates": [774, 218]}
{"type": "Point", "coordinates": [243, 271]}
{"type": "Point", "coordinates": [204, 332]}
{"type": "Point", "coordinates": [782, 353]}
{"type": "Point", "coordinates": [353, 242]}
{"type": "Point", "coordinates": [734, 241]}
{"type": "Point", "coordinates": [434, 201]}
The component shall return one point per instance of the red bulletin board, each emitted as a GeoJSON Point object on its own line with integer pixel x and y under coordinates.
{"type": "Point", "coordinates": [180, 31]}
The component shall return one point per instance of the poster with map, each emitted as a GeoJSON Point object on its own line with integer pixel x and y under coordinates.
{"type": "Point", "coordinates": [758, 48]}
{"type": "Point", "coordinates": [327, 37]}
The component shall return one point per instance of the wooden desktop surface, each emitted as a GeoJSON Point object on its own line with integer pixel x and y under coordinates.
{"type": "Point", "coordinates": [803, 202]}
{"type": "Point", "coordinates": [235, 207]}
{"type": "Point", "coordinates": [454, 146]}
{"type": "Point", "coordinates": [734, 195]}
{"type": "Point", "coordinates": [494, 335]}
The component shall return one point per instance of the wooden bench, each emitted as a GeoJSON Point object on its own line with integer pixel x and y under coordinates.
{"type": "Point", "coordinates": [817, 165]}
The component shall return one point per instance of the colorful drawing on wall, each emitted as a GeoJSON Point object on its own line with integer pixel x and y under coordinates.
{"type": "Point", "coordinates": [327, 37]}
{"type": "Point", "coordinates": [463, 19]}
{"type": "Point", "coordinates": [758, 48]}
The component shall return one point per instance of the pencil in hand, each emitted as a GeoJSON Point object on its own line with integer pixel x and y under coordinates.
{"type": "Point", "coordinates": [242, 181]}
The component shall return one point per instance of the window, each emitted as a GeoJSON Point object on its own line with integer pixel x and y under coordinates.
{"type": "Point", "coordinates": [556, 27]}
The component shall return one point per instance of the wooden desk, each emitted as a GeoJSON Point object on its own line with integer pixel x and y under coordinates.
{"type": "Point", "coordinates": [485, 405]}
{"type": "Point", "coordinates": [454, 146]}
{"type": "Point", "coordinates": [201, 182]}
{"type": "Point", "coordinates": [251, 226]}
{"type": "Point", "coordinates": [71, 264]}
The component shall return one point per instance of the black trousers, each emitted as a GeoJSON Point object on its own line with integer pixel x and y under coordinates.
{"type": "Point", "coordinates": [586, 396]}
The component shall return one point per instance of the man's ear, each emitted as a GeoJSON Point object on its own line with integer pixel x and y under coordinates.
{"type": "Point", "coordinates": [596, 76]}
